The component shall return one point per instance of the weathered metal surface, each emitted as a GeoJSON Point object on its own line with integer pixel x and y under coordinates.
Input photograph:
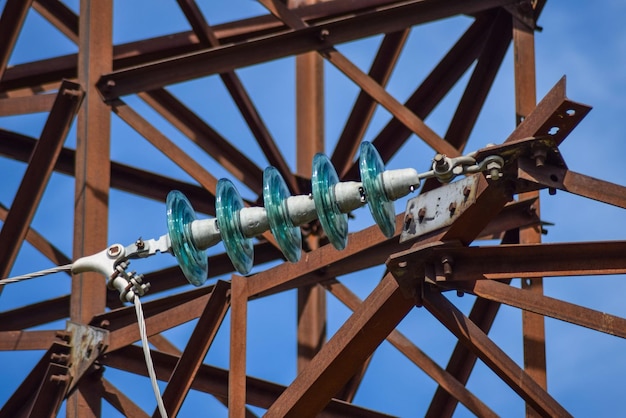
{"type": "Point", "coordinates": [87, 344]}
{"type": "Point", "coordinates": [438, 208]}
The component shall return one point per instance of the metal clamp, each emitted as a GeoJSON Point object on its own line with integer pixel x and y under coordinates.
{"type": "Point", "coordinates": [113, 262]}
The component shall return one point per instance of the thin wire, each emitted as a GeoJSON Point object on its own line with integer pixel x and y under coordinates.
{"type": "Point", "coordinates": [146, 351]}
{"type": "Point", "coordinates": [40, 273]}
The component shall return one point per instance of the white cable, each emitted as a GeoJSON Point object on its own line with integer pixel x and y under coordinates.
{"type": "Point", "coordinates": [15, 279]}
{"type": "Point", "coordinates": [146, 351]}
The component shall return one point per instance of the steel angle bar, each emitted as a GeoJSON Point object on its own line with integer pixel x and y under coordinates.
{"type": "Point", "coordinates": [525, 260]}
{"type": "Point", "coordinates": [26, 340]}
{"type": "Point", "coordinates": [197, 346]}
{"type": "Point", "coordinates": [433, 89]}
{"type": "Point", "coordinates": [555, 177]}
{"type": "Point", "coordinates": [122, 403]}
{"type": "Point", "coordinates": [203, 135]}
{"type": "Point", "coordinates": [544, 305]}
{"type": "Point", "coordinates": [343, 354]}
{"type": "Point", "coordinates": [218, 60]}
{"type": "Point", "coordinates": [38, 172]}
{"type": "Point", "coordinates": [11, 21]}
{"type": "Point", "coordinates": [123, 177]}
{"type": "Point", "coordinates": [214, 381]}
{"type": "Point", "coordinates": [444, 379]}
{"type": "Point", "coordinates": [138, 53]}
{"type": "Point", "coordinates": [22, 400]}
{"type": "Point", "coordinates": [367, 84]}
{"type": "Point", "coordinates": [61, 16]}
{"type": "Point", "coordinates": [241, 98]}
{"type": "Point", "coordinates": [34, 103]}
{"type": "Point", "coordinates": [42, 245]}
{"type": "Point", "coordinates": [160, 315]}
{"type": "Point", "coordinates": [364, 106]}
{"type": "Point", "coordinates": [478, 342]}
{"type": "Point", "coordinates": [478, 86]}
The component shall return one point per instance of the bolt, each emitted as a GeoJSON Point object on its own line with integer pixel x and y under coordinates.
{"type": "Point", "coordinates": [421, 214]}
{"type": "Point", "coordinates": [140, 244]}
{"type": "Point", "coordinates": [408, 219]}
{"type": "Point", "coordinates": [59, 358]}
{"type": "Point", "coordinates": [105, 324]}
{"type": "Point", "coordinates": [59, 378]}
{"type": "Point", "coordinates": [551, 191]}
{"type": "Point", "coordinates": [446, 262]}
{"type": "Point", "coordinates": [494, 170]}
{"type": "Point", "coordinates": [452, 208]}
{"type": "Point", "coordinates": [323, 35]}
{"type": "Point", "coordinates": [441, 164]}
{"type": "Point", "coordinates": [460, 293]}
{"type": "Point", "coordinates": [110, 83]}
{"type": "Point", "coordinates": [64, 335]}
{"type": "Point", "coordinates": [114, 250]}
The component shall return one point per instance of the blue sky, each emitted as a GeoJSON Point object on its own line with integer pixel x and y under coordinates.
{"type": "Point", "coordinates": [586, 41]}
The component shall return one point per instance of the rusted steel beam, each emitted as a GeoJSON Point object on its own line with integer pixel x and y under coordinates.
{"type": "Point", "coordinates": [171, 150]}
{"type": "Point", "coordinates": [35, 314]}
{"type": "Point", "coordinates": [160, 315]}
{"type": "Point", "coordinates": [190, 124]}
{"type": "Point", "coordinates": [37, 174]}
{"type": "Point", "coordinates": [530, 260]}
{"type": "Point", "coordinates": [533, 325]}
{"type": "Point", "coordinates": [21, 402]}
{"type": "Point", "coordinates": [118, 400]}
{"type": "Point", "coordinates": [11, 21]}
{"type": "Point", "coordinates": [364, 106]}
{"type": "Point", "coordinates": [27, 104]}
{"type": "Point", "coordinates": [203, 63]}
{"type": "Point", "coordinates": [93, 179]}
{"type": "Point", "coordinates": [379, 314]}
{"type": "Point", "coordinates": [399, 111]}
{"type": "Point", "coordinates": [197, 346]}
{"type": "Point", "coordinates": [345, 352]}
{"type": "Point", "coordinates": [572, 182]}
{"type": "Point", "coordinates": [123, 177]}
{"type": "Point", "coordinates": [237, 385]}
{"type": "Point", "coordinates": [445, 380]}
{"type": "Point", "coordinates": [214, 380]}
{"type": "Point", "coordinates": [462, 360]}
{"type": "Point", "coordinates": [432, 90]}
{"type": "Point", "coordinates": [241, 98]}
{"type": "Point", "coordinates": [42, 245]}
{"type": "Point", "coordinates": [310, 140]}
{"type": "Point", "coordinates": [165, 145]}
{"type": "Point", "coordinates": [26, 340]}
{"type": "Point", "coordinates": [61, 16]}
{"type": "Point", "coordinates": [43, 72]}
{"type": "Point", "coordinates": [477, 341]}
{"type": "Point", "coordinates": [546, 306]}
{"type": "Point", "coordinates": [478, 86]}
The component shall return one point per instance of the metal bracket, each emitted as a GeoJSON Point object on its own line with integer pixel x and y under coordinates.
{"type": "Point", "coordinates": [438, 208]}
{"type": "Point", "coordinates": [87, 344]}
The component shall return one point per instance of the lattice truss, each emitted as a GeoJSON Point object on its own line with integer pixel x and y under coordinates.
{"type": "Point", "coordinates": [205, 346]}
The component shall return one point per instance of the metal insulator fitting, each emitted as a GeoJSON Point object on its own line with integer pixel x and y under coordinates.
{"type": "Point", "coordinates": [494, 168]}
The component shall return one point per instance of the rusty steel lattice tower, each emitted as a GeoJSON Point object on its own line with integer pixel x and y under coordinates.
{"type": "Point", "coordinates": [434, 256]}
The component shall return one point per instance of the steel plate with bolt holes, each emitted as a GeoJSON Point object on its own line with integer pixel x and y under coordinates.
{"type": "Point", "coordinates": [87, 344]}
{"type": "Point", "coordinates": [438, 208]}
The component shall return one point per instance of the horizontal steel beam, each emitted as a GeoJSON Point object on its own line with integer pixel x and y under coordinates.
{"type": "Point", "coordinates": [318, 36]}
{"type": "Point", "coordinates": [544, 305]}
{"type": "Point", "coordinates": [214, 380]}
{"type": "Point", "coordinates": [579, 184]}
